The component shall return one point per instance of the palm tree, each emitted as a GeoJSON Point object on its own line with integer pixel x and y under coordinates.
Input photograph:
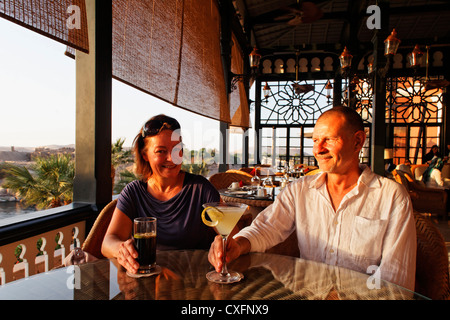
{"type": "Point", "coordinates": [196, 168]}
{"type": "Point", "coordinates": [49, 184]}
{"type": "Point", "coordinates": [126, 177]}
{"type": "Point", "coordinates": [119, 156]}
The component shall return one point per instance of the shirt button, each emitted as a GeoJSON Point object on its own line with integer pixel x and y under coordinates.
{"type": "Point", "coordinates": [331, 251]}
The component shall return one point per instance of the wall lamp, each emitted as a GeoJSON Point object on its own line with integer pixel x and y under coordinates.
{"type": "Point", "coordinates": [415, 57]}
{"type": "Point", "coordinates": [254, 58]}
{"type": "Point", "coordinates": [390, 49]}
{"type": "Point", "coordinates": [346, 62]}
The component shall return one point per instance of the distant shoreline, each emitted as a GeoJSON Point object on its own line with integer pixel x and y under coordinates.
{"type": "Point", "coordinates": [24, 154]}
{"type": "Point", "coordinates": [14, 208]}
{"type": "Point", "coordinates": [32, 149]}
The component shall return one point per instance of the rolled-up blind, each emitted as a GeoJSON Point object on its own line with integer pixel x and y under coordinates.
{"type": "Point", "coordinates": [62, 20]}
{"type": "Point", "coordinates": [171, 49]}
{"type": "Point", "coordinates": [167, 48]}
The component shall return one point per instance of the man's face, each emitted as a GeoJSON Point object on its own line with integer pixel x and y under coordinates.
{"type": "Point", "coordinates": [335, 146]}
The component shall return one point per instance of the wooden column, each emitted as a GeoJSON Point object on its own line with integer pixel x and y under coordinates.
{"type": "Point", "coordinates": [446, 105]}
{"type": "Point", "coordinates": [257, 124]}
{"type": "Point", "coordinates": [93, 183]}
{"type": "Point", "coordinates": [225, 44]}
{"type": "Point", "coordinates": [378, 132]}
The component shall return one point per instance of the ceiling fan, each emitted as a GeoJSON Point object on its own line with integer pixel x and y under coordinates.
{"type": "Point", "coordinates": [303, 12]}
{"type": "Point", "coordinates": [433, 84]}
{"type": "Point", "coordinates": [300, 88]}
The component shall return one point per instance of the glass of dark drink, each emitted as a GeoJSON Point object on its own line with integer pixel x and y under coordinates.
{"type": "Point", "coordinates": [144, 235]}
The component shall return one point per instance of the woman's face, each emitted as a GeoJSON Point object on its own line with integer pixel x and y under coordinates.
{"type": "Point", "coordinates": [164, 153]}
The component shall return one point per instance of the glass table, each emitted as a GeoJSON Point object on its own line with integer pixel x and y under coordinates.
{"type": "Point", "coordinates": [183, 277]}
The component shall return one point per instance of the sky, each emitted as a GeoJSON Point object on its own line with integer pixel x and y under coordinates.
{"type": "Point", "coordinates": [37, 98]}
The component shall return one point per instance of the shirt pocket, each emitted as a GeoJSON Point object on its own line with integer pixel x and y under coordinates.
{"type": "Point", "coordinates": [367, 239]}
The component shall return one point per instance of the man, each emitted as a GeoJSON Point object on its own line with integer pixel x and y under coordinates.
{"type": "Point", "coordinates": [346, 216]}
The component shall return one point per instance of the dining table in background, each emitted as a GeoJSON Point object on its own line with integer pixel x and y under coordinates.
{"type": "Point", "coordinates": [255, 204]}
{"type": "Point", "coordinates": [183, 277]}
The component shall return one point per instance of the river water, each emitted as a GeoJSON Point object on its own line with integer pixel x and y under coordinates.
{"type": "Point", "coordinates": [11, 208]}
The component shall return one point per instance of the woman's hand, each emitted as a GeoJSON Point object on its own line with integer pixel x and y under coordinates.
{"type": "Point", "coordinates": [127, 256]}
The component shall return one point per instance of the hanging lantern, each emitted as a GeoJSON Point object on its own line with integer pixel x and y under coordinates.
{"type": "Point", "coordinates": [391, 43]}
{"type": "Point", "coordinates": [415, 57]}
{"type": "Point", "coordinates": [354, 84]}
{"type": "Point", "coordinates": [254, 57]}
{"type": "Point", "coordinates": [370, 68]}
{"type": "Point", "coordinates": [346, 59]}
{"type": "Point", "coordinates": [266, 91]}
{"type": "Point", "coordinates": [328, 87]}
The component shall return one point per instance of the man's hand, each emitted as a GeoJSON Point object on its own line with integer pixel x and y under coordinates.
{"type": "Point", "coordinates": [235, 248]}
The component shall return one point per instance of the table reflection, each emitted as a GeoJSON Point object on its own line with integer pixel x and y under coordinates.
{"type": "Point", "coordinates": [266, 277]}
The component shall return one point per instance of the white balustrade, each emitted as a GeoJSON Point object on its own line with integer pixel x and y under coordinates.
{"type": "Point", "coordinates": [40, 253]}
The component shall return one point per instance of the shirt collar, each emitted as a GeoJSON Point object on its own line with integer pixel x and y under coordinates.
{"type": "Point", "coordinates": [367, 178]}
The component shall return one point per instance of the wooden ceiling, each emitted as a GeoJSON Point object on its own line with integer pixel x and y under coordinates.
{"type": "Point", "coordinates": [275, 26]}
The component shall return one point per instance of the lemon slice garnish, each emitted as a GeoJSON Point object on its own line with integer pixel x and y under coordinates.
{"type": "Point", "coordinates": [214, 214]}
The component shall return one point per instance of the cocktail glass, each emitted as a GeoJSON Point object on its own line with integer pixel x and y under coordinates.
{"type": "Point", "coordinates": [223, 217]}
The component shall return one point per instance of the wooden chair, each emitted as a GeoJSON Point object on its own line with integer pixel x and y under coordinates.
{"type": "Point", "coordinates": [93, 242]}
{"type": "Point", "coordinates": [432, 264]}
{"type": "Point", "coordinates": [432, 274]}
{"type": "Point", "coordinates": [313, 172]}
{"type": "Point", "coordinates": [424, 199]}
{"type": "Point", "coordinates": [247, 169]}
{"type": "Point", "coordinates": [418, 170]}
{"type": "Point", "coordinates": [222, 180]}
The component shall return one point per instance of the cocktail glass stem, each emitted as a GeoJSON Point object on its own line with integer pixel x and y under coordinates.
{"type": "Point", "coordinates": [224, 272]}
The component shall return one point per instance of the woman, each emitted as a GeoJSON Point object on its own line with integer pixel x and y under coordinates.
{"type": "Point", "coordinates": [434, 152]}
{"type": "Point", "coordinates": [432, 175]}
{"type": "Point", "coordinates": [173, 196]}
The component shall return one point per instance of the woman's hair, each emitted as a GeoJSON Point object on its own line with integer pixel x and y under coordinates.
{"type": "Point", "coordinates": [151, 128]}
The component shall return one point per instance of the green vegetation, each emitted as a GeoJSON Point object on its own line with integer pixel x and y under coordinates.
{"type": "Point", "coordinates": [125, 177]}
{"type": "Point", "coordinates": [48, 184]}
{"type": "Point", "coordinates": [119, 155]}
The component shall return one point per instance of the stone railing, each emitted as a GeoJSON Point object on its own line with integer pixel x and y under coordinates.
{"type": "Point", "coordinates": [40, 244]}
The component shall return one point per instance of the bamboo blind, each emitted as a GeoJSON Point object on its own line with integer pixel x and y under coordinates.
{"type": "Point", "coordinates": [171, 49]}
{"type": "Point", "coordinates": [62, 20]}
{"type": "Point", "coordinates": [167, 48]}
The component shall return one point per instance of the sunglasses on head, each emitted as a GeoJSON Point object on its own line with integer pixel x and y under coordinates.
{"type": "Point", "coordinates": [153, 127]}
